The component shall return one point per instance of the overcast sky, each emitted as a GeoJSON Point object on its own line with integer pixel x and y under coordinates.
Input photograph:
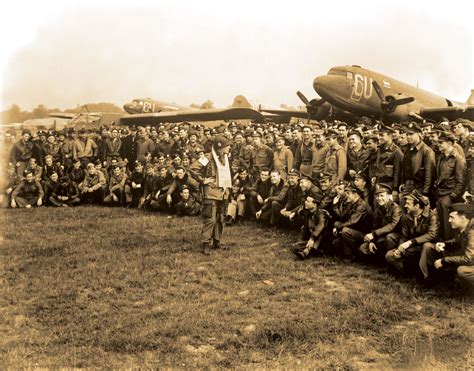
{"type": "Point", "coordinates": [66, 53]}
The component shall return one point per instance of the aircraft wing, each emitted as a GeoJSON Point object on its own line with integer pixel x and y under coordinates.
{"type": "Point", "coordinates": [62, 115]}
{"type": "Point", "coordinates": [451, 113]}
{"type": "Point", "coordinates": [286, 113]}
{"type": "Point", "coordinates": [192, 115]}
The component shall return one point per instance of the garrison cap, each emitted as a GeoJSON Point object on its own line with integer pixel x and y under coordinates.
{"type": "Point", "coordinates": [331, 133]}
{"type": "Point", "coordinates": [386, 129]}
{"type": "Point", "coordinates": [355, 132]}
{"type": "Point", "coordinates": [466, 209]}
{"type": "Point", "coordinates": [324, 176]}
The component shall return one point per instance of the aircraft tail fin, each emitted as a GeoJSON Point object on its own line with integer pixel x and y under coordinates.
{"type": "Point", "coordinates": [241, 101]}
{"type": "Point", "coordinates": [470, 100]}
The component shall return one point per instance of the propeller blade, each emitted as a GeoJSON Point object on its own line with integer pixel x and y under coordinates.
{"type": "Point", "coordinates": [378, 90]}
{"type": "Point", "coordinates": [303, 98]}
{"type": "Point", "coordinates": [317, 103]}
{"type": "Point", "coordinates": [399, 102]}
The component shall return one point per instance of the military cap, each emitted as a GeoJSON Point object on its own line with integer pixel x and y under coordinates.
{"type": "Point", "coordinates": [185, 155]}
{"type": "Point", "coordinates": [62, 132]}
{"type": "Point", "coordinates": [293, 172]}
{"type": "Point", "coordinates": [51, 133]}
{"type": "Point", "coordinates": [232, 124]}
{"type": "Point", "coordinates": [412, 128]}
{"type": "Point", "coordinates": [445, 136]}
{"type": "Point", "coordinates": [342, 123]}
{"type": "Point", "coordinates": [361, 175]}
{"type": "Point", "coordinates": [352, 188]}
{"type": "Point", "coordinates": [355, 132]}
{"type": "Point", "coordinates": [137, 163]}
{"type": "Point", "coordinates": [372, 137]}
{"type": "Point", "coordinates": [26, 131]}
{"type": "Point", "coordinates": [330, 133]}
{"type": "Point", "coordinates": [386, 129]}
{"type": "Point", "coordinates": [324, 176]}
{"type": "Point", "coordinates": [306, 176]}
{"type": "Point", "coordinates": [220, 142]}
{"type": "Point", "coordinates": [183, 187]}
{"type": "Point", "coordinates": [256, 134]}
{"type": "Point", "coordinates": [466, 209]}
{"type": "Point", "coordinates": [382, 187]}
{"type": "Point", "coordinates": [418, 197]}
{"type": "Point", "coordinates": [41, 132]}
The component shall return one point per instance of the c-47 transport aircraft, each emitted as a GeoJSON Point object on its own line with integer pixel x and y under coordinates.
{"type": "Point", "coordinates": [367, 93]}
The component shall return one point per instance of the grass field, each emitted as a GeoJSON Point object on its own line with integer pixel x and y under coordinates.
{"type": "Point", "coordinates": [101, 287]}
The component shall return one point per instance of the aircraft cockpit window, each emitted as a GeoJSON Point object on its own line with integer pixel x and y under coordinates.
{"type": "Point", "coordinates": [349, 75]}
{"type": "Point", "coordinates": [337, 72]}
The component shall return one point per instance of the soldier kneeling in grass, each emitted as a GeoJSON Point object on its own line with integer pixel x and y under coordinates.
{"type": "Point", "coordinates": [315, 220]}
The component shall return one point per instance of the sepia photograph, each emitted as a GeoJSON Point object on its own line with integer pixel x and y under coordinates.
{"type": "Point", "coordinates": [237, 185]}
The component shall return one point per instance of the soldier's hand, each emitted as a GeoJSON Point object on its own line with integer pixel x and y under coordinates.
{"type": "Point", "coordinates": [405, 245]}
{"type": "Point", "coordinates": [208, 181]}
{"type": "Point", "coordinates": [9, 190]}
{"type": "Point", "coordinates": [372, 247]}
{"type": "Point", "coordinates": [258, 214]}
{"type": "Point", "coordinates": [467, 197]}
{"type": "Point", "coordinates": [395, 196]}
{"type": "Point", "coordinates": [438, 264]}
{"type": "Point", "coordinates": [259, 199]}
{"type": "Point", "coordinates": [291, 216]}
{"type": "Point", "coordinates": [439, 246]}
{"type": "Point", "coordinates": [310, 243]}
{"type": "Point", "coordinates": [334, 231]}
{"type": "Point", "coordinates": [169, 199]}
{"type": "Point", "coordinates": [368, 237]}
{"type": "Point", "coordinates": [39, 202]}
{"type": "Point", "coordinates": [13, 204]}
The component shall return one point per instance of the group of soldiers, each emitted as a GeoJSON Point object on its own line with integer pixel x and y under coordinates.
{"type": "Point", "coordinates": [397, 194]}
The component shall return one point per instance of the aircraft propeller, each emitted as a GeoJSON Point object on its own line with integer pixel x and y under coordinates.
{"type": "Point", "coordinates": [312, 106]}
{"type": "Point", "coordinates": [389, 103]}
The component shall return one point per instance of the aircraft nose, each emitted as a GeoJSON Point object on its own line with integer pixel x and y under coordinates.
{"type": "Point", "coordinates": [323, 84]}
{"type": "Point", "coordinates": [129, 107]}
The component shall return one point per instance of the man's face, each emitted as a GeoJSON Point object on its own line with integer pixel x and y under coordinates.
{"type": "Point", "coordinates": [371, 145]}
{"type": "Point", "coordinates": [384, 138]}
{"type": "Point", "coordinates": [150, 171]}
{"type": "Point", "coordinates": [51, 139]}
{"type": "Point", "coordinates": [351, 196]}
{"type": "Point", "coordinates": [264, 175]}
{"type": "Point", "coordinates": [91, 170]}
{"type": "Point", "coordinates": [182, 133]}
{"type": "Point", "coordinates": [239, 139]}
{"type": "Point", "coordinates": [49, 161]}
{"type": "Point", "coordinates": [456, 220]}
{"type": "Point", "coordinates": [32, 163]}
{"type": "Point", "coordinates": [257, 141]}
{"type": "Point", "coordinates": [275, 177]}
{"type": "Point", "coordinates": [359, 182]}
{"type": "Point", "coordinates": [309, 203]}
{"type": "Point", "coordinates": [185, 194]}
{"type": "Point", "coordinates": [117, 171]}
{"type": "Point", "coordinates": [306, 133]}
{"type": "Point", "coordinates": [413, 138]}
{"type": "Point", "coordinates": [114, 134]}
{"type": "Point", "coordinates": [225, 150]}
{"type": "Point", "coordinates": [319, 138]}
{"type": "Point", "coordinates": [354, 141]}
{"type": "Point", "coordinates": [332, 140]}
{"type": "Point", "coordinates": [402, 139]}
{"type": "Point", "coordinates": [458, 129]}
{"type": "Point", "coordinates": [292, 180]}
{"type": "Point", "coordinates": [288, 135]}
{"type": "Point", "coordinates": [342, 130]}
{"type": "Point", "coordinates": [26, 137]}
{"type": "Point", "coordinates": [340, 189]}
{"type": "Point", "coordinates": [325, 184]}
{"type": "Point", "coordinates": [305, 184]}
{"type": "Point", "coordinates": [296, 134]}
{"type": "Point", "coordinates": [180, 173]}
{"type": "Point", "coordinates": [444, 146]}
{"type": "Point", "coordinates": [163, 172]}
{"type": "Point", "coordinates": [54, 177]}
{"type": "Point", "coordinates": [243, 174]}
{"type": "Point", "coordinates": [410, 206]}
{"type": "Point", "coordinates": [382, 198]}
{"type": "Point", "coordinates": [29, 177]}
{"type": "Point", "coordinates": [279, 144]}
{"type": "Point", "coordinates": [139, 168]}
{"type": "Point", "coordinates": [77, 165]}
{"type": "Point", "coordinates": [166, 136]}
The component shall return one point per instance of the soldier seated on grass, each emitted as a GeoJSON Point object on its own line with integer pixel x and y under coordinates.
{"type": "Point", "coordinates": [91, 188]}
{"type": "Point", "coordinates": [315, 220]}
{"type": "Point", "coordinates": [187, 205]}
{"type": "Point", "coordinates": [29, 193]}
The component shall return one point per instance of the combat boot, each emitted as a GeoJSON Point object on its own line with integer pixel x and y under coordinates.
{"type": "Point", "coordinates": [206, 248]}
